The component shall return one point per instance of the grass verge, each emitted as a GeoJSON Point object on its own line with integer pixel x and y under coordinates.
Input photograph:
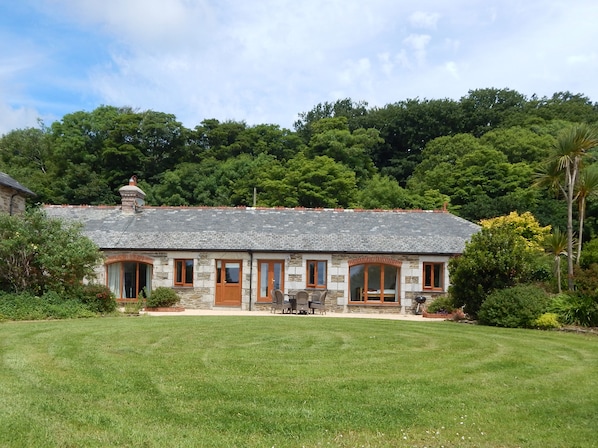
{"type": "Point", "coordinates": [290, 382]}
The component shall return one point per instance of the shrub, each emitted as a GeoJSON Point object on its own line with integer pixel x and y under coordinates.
{"type": "Point", "coordinates": [98, 298]}
{"type": "Point", "coordinates": [494, 259]}
{"type": "Point", "coordinates": [162, 297]}
{"type": "Point", "coordinates": [516, 307]}
{"type": "Point", "coordinates": [26, 306]}
{"type": "Point", "coordinates": [589, 253]}
{"type": "Point", "coordinates": [444, 304]}
{"type": "Point", "coordinates": [39, 254]}
{"type": "Point", "coordinates": [547, 321]}
{"type": "Point", "coordinates": [575, 309]}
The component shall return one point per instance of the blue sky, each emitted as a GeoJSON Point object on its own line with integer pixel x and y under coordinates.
{"type": "Point", "coordinates": [265, 61]}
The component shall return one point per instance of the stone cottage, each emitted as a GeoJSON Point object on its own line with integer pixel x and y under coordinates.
{"type": "Point", "coordinates": [368, 261]}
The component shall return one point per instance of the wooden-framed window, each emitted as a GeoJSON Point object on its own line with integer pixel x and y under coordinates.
{"type": "Point", "coordinates": [434, 276]}
{"type": "Point", "coordinates": [127, 279]}
{"type": "Point", "coordinates": [183, 272]}
{"type": "Point", "coordinates": [374, 283]}
{"type": "Point", "coordinates": [316, 274]}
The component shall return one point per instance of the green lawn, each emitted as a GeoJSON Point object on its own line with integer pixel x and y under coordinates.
{"type": "Point", "coordinates": [292, 381]}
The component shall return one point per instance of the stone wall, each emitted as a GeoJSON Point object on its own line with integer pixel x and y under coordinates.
{"type": "Point", "coordinates": [8, 195]}
{"type": "Point", "coordinates": [202, 294]}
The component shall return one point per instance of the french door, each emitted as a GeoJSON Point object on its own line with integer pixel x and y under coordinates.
{"type": "Point", "coordinates": [271, 276]}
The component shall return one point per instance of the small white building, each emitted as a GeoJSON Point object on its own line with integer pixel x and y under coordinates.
{"type": "Point", "coordinates": [368, 261]}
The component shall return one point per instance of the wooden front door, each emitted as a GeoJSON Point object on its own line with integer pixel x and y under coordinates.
{"type": "Point", "coordinates": [228, 282]}
{"type": "Point", "coordinates": [271, 276]}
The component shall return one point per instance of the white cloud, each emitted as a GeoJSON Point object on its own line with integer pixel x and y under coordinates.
{"type": "Point", "coordinates": [452, 68]}
{"type": "Point", "coordinates": [268, 60]}
{"type": "Point", "coordinates": [420, 19]}
{"type": "Point", "coordinates": [17, 118]}
{"type": "Point", "coordinates": [418, 43]}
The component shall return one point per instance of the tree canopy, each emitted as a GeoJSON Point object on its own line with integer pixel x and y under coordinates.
{"type": "Point", "coordinates": [478, 154]}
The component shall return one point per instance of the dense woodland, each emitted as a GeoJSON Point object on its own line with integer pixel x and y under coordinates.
{"type": "Point", "coordinates": [481, 155]}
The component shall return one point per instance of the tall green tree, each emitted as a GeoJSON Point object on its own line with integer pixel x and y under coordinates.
{"type": "Point", "coordinates": [487, 109]}
{"type": "Point", "coordinates": [351, 110]}
{"type": "Point", "coordinates": [406, 128]}
{"type": "Point", "coordinates": [307, 182]}
{"type": "Point", "coordinates": [571, 148]}
{"type": "Point", "coordinates": [27, 156]}
{"type": "Point", "coordinates": [332, 137]}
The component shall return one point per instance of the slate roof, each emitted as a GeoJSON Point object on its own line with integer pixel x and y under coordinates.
{"type": "Point", "coordinates": [8, 181]}
{"type": "Point", "coordinates": [271, 229]}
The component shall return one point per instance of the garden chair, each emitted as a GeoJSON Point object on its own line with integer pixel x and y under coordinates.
{"type": "Point", "coordinates": [278, 302]}
{"type": "Point", "coordinates": [318, 302]}
{"type": "Point", "coordinates": [302, 300]}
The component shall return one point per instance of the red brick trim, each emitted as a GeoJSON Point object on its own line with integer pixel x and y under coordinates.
{"type": "Point", "coordinates": [376, 259]}
{"type": "Point", "coordinates": [129, 257]}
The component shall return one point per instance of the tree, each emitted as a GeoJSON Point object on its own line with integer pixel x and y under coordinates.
{"type": "Point", "coordinates": [340, 108]}
{"type": "Point", "coordinates": [575, 108]}
{"type": "Point", "coordinates": [587, 187]}
{"type": "Point", "coordinates": [571, 147]}
{"type": "Point", "coordinates": [519, 144]}
{"type": "Point", "coordinates": [39, 254]}
{"type": "Point", "coordinates": [486, 109]}
{"type": "Point", "coordinates": [307, 182]}
{"type": "Point", "coordinates": [332, 137]}
{"type": "Point", "coordinates": [556, 244]}
{"type": "Point", "coordinates": [479, 179]}
{"type": "Point", "coordinates": [406, 128]}
{"type": "Point", "coordinates": [383, 192]}
{"type": "Point", "coordinates": [26, 155]}
{"type": "Point", "coordinates": [525, 225]}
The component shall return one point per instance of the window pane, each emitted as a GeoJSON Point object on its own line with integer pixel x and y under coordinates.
{"type": "Point", "coordinates": [277, 275]}
{"type": "Point", "coordinates": [311, 275]}
{"type": "Point", "coordinates": [232, 272]}
{"type": "Point", "coordinates": [264, 280]}
{"type": "Point", "coordinates": [144, 277]}
{"type": "Point", "coordinates": [427, 275]}
{"type": "Point", "coordinates": [321, 273]}
{"type": "Point", "coordinates": [114, 271]}
{"type": "Point", "coordinates": [390, 284]}
{"type": "Point", "coordinates": [218, 271]}
{"type": "Point", "coordinates": [438, 275]}
{"type": "Point", "coordinates": [373, 278]}
{"type": "Point", "coordinates": [357, 278]}
{"type": "Point", "coordinates": [178, 267]}
{"type": "Point", "coordinates": [130, 276]}
{"type": "Point", "coordinates": [189, 272]}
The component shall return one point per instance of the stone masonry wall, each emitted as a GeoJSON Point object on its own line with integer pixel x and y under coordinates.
{"type": "Point", "coordinates": [18, 201]}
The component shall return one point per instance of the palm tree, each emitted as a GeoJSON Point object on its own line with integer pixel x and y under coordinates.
{"type": "Point", "coordinates": [556, 244]}
{"type": "Point", "coordinates": [571, 147]}
{"type": "Point", "coordinates": [587, 186]}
